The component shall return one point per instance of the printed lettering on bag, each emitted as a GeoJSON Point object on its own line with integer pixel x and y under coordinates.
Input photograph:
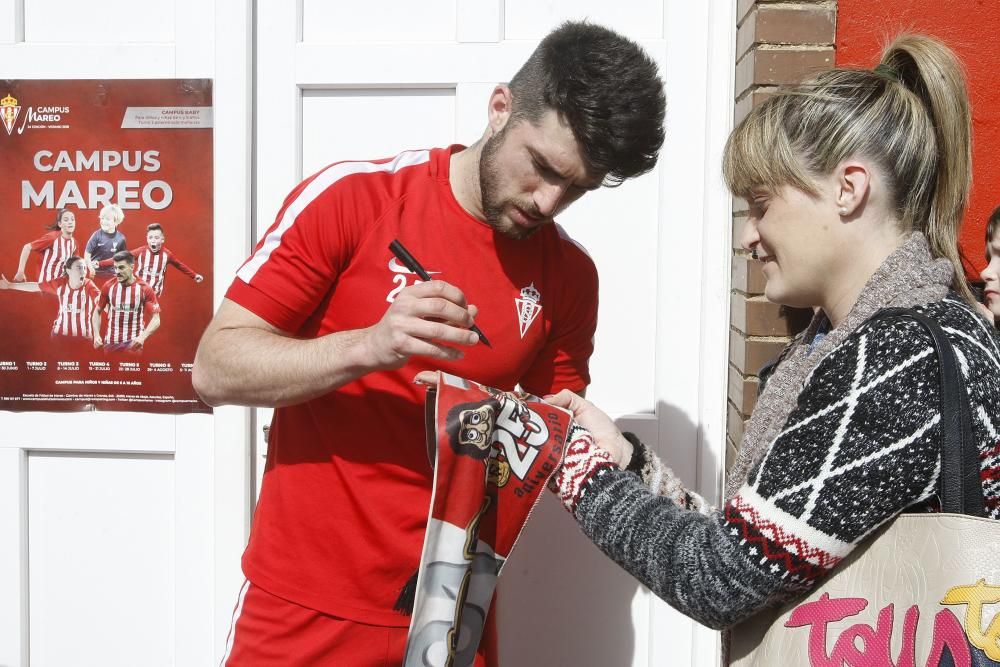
{"type": "Point", "coordinates": [861, 644]}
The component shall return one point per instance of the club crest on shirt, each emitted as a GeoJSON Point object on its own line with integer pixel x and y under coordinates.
{"type": "Point", "coordinates": [528, 307]}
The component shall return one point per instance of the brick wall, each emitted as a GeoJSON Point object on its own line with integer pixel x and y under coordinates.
{"type": "Point", "coordinates": [776, 43]}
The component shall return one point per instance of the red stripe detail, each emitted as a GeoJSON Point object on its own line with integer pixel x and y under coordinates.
{"type": "Point", "coordinates": [754, 529]}
{"type": "Point", "coordinates": [990, 474]}
{"type": "Point", "coordinates": [995, 451]}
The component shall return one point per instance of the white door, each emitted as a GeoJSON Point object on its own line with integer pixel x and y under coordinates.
{"type": "Point", "coordinates": [364, 80]}
{"type": "Point", "coordinates": [119, 549]}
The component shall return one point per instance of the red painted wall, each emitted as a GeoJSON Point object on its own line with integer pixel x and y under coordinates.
{"type": "Point", "coordinates": [970, 27]}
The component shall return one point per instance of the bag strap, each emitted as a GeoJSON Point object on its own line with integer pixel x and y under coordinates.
{"type": "Point", "coordinates": [959, 485]}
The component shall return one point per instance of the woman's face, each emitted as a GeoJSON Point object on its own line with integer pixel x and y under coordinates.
{"type": "Point", "coordinates": [67, 222]}
{"type": "Point", "coordinates": [991, 276]}
{"type": "Point", "coordinates": [796, 236]}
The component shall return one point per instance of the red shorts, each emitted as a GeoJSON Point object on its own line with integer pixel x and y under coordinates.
{"type": "Point", "coordinates": [270, 631]}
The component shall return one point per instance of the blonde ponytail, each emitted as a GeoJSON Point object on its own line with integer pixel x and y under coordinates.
{"type": "Point", "coordinates": [934, 74]}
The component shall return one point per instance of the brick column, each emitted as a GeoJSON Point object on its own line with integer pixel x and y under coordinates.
{"type": "Point", "coordinates": [777, 43]}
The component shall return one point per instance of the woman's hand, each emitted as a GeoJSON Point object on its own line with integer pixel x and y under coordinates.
{"type": "Point", "coordinates": [606, 434]}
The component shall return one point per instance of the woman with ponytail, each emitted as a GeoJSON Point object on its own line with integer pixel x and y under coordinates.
{"type": "Point", "coordinates": [55, 247]}
{"type": "Point", "coordinates": [857, 181]}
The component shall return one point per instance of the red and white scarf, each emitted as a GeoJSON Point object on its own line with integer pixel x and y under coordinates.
{"type": "Point", "coordinates": [493, 455]}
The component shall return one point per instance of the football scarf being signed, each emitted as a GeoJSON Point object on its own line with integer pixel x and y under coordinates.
{"type": "Point", "coordinates": [493, 454]}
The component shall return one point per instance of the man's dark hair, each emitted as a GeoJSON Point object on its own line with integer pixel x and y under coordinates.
{"type": "Point", "coordinates": [123, 256]}
{"type": "Point", "coordinates": [70, 262]}
{"type": "Point", "coordinates": [154, 227]}
{"type": "Point", "coordinates": [608, 90]}
{"type": "Point", "coordinates": [992, 225]}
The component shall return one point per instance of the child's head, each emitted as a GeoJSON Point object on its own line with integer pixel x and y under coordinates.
{"type": "Point", "coordinates": [155, 237]}
{"type": "Point", "coordinates": [991, 274]}
{"type": "Point", "coordinates": [111, 216]}
{"type": "Point", "coordinates": [992, 231]}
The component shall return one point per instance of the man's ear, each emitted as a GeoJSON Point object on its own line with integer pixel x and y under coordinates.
{"type": "Point", "coordinates": [854, 179]}
{"type": "Point", "coordinates": [501, 105]}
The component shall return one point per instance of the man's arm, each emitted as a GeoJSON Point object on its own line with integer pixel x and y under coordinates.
{"type": "Point", "coordinates": [22, 261]}
{"type": "Point", "coordinates": [154, 324]}
{"type": "Point", "coordinates": [184, 268]}
{"type": "Point", "coordinates": [105, 263]}
{"type": "Point", "coordinates": [242, 359]}
{"type": "Point", "coordinates": [91, 264]}
{"type": "Point", "coordinates": [95, 326]}
{"type": "Point", "coordinates": [21, 287]}
{"type": "Point", "coordinates": [88, 254]}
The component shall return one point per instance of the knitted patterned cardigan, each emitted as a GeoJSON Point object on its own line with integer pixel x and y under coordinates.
{"type": "Point", "coordinates": [855, 444]}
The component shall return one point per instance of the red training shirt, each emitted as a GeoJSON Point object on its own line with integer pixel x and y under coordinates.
{"type": "Point", "coordinates": [340, 520]}
{"type": "Point", "coordinates": [130, 306]}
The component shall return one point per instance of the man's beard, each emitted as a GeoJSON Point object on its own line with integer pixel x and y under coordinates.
{"type": "Point", "coordinates": [493, 206]}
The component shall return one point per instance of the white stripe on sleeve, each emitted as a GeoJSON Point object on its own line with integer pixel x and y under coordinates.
{"type": "Point", "coordinates": [324, 180]}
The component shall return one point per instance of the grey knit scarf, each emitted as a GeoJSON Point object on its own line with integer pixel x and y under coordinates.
{"type": "Point", "coordinates": [908, 277]}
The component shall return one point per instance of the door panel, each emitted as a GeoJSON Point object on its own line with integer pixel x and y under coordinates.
{"type": "Point", "coordinates": [339, 122]}
{"type": "Point", "coordinates": [532, 20]}
{"type": "Point", "coordinates": [58, 21]}
{"type": "Point", "coordinates": [101, 546]}
{"type": "Point", "coordinates": [426, 21]}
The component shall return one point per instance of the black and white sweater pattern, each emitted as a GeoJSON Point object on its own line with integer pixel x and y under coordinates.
{"type": "Point", "coordinates": [860, 447]}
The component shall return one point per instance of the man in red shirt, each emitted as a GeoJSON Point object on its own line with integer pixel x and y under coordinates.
{"type": "Point", "coordinates": [133, 311]}
{"type": "Point", "coordinates": [325, 324]}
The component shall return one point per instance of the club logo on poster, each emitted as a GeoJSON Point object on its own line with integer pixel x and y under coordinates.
{"type": "Point", "coordinates": [9, 111]}
{"type": "Point", "coordinates": [45, 117]}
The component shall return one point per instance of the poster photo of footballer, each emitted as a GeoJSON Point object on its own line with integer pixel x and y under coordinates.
{"type": "Point", "coordinates": [76, 295]}
{"type": "Point", "coordinates": [96, 173]}
{"type": "Point", "coordinates": [54, 248]}
{"type": "Point", "coordinates": [130, 307]}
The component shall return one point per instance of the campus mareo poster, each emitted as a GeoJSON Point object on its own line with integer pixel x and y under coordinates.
{"type": "Point", "coordinates": [105, 243]}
